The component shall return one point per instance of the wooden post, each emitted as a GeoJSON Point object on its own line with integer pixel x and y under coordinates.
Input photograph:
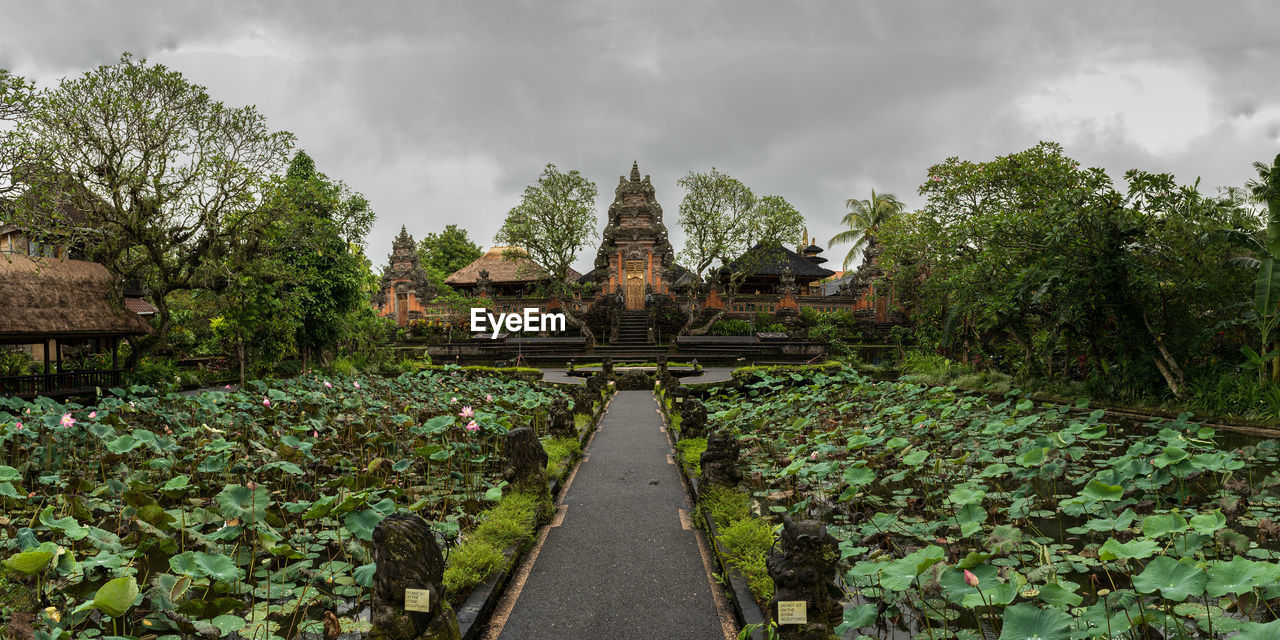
{"type": "Point", "coordinates": [59, 343]}
{"type": "Point", "coordinates": [46, 356]}
{"type": "Point", "coordinates": [115, 349]}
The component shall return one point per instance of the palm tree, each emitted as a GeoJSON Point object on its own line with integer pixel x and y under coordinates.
{"type": "Point", "coordinates": [864, 220]}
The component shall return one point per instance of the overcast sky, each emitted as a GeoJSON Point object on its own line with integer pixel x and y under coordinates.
{"type": "Point", "coordinates": [442, 113]}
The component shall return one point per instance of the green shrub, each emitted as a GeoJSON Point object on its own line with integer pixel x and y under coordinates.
{"type": "Point", "coordinates": [343, 366]}
{"type": "Point", "coordinates": [160, 373]}
{"type": "Point", "coordinates": [730, 327]}
{"type": "Point", "coordinates": [470, 564]}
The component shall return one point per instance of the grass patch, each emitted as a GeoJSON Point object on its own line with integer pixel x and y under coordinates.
{"type": "Point", "coordinates": [745, 374]}
{"type": "Point", "coordinates": [470, 564]}
{"type": "Point", "coordinates": [691, 455]}
{"type": "Point", "coordinates": [582, 421]}
{"type": "Point", "coordinates": [513, 521]}
{"type": "Point", "coordinates": [561, 454]}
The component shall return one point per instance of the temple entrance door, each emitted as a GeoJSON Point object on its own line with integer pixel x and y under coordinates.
{"type": "Point", "coordinates": [635, 285]}
{"type": "Point", "coordinates": [402, 309]}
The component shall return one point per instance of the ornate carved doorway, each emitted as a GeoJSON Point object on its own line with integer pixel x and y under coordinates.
{"type": "Point", "coordinates": [635, 284]}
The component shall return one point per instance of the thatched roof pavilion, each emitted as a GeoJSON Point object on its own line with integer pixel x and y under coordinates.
{"type": "Point", "coordinates": [506, 276]}
{"type": "Point", "coordinates": [52, 298]}
{"type": "Point", "coordinates": [51, 301]}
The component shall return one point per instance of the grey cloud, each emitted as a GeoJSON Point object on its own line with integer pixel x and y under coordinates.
{"type": "Point", "coordinates": [815, 101]}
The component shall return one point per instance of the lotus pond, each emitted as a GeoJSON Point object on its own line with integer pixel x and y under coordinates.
{"type": "Point", "coordinates": [964, 516]}
{"type": "Point", "coordinates": [236, 511]}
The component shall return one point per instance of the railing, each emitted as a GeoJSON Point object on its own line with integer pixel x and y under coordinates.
{"type": "Point", "coordinates": [66, 383]}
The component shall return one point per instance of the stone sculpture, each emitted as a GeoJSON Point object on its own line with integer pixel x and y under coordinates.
{"type": "Point", "coordinates": [407, 557]}
{"type": "Point", "coordinates": [803, 567]}
{"type": "Point", "coordinates": [720, 461]}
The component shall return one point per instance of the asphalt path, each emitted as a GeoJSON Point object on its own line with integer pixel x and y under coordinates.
{"type": "Point", "coordinates": [621, 559]}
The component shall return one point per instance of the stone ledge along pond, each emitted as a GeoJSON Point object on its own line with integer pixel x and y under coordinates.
{"type": "Point", "coordinates": [960, 515]}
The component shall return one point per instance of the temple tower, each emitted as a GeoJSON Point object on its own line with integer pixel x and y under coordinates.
{"type": "Point", "coordinates": [635, 257]}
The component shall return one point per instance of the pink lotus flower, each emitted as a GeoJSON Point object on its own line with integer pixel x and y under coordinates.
{"type": "Point", "coordinates": [467, 412]}
{"type": "Point", "coordinates": [19, 426]}
{"type": "Point", "coordinates": [266, 402]}
{"type": "Point", "coordinates": [357, 385]}
{"type": "Point", "coordinates": [813, 456]}
{"type": "Point", "coordinates": [472, 426]}
{"type": "Point", "coordinates": [970, 579]}
{"type": "Point", "coordinates": [67, 420]}
{"type": "Point", "coordinates": [93, 414]}
{"type": "Point", "coordinates": [327, 385]}
{"type": "Point", "coordinates": [488, 397]}
{"type": "Point", "coordinates": [228, 387]}
{"type": "Point", "coordinates": [453, 399]}
{"type": "Point", "coordinates": [315, 434]}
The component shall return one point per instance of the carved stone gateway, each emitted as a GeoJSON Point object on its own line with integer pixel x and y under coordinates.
{"type": "Point", "coordinates": [408, 558]}
{"type": "Point", "coordinates": [720, 461]}
{"type": "Point", "coordinates": [803, 567]}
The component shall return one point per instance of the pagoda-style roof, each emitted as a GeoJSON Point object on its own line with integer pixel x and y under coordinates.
{"type": "Point", "coordinates": [54, 298]}
{"type": "Point", "coordinates": [503, 270]}
{"type": "Point", "coordinates": [773, 261]}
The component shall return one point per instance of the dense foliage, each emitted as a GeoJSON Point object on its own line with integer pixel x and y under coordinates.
{"type": "Point", "coordinates": [1087, 528]}
{"type": "Point", "coordinates": [246, 510]}
{"type": "Point", "coordinates": [1034, 265]}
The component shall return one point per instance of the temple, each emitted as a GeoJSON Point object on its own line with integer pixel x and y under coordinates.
{"type": "Point", "coordinates": [635, 258]}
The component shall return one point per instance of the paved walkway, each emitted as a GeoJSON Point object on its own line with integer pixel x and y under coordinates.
{"type": "Point", "coordinates": [622, 559]}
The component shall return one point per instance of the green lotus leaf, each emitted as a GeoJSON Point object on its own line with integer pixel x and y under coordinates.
{"type": "Point", "coordinates": [176, 483]}
{"type": "Point", "coordinates": [122, 444]}
{"type": "Point", "coordinates": [1240, 575]}
{"type": "Point", "coordinates": [1208, 523]}
{"type": "Point", "coordinates": [198, 564]}
{"type": "Point", "coordinates": [1174, 580]}
{"type": "Point", "coordinates": [9, 474]}
{"type": "Point", "coordinates": [1034, 457]}
{"type": "Point", "coordinates": [228, 624]}
{"type": "Point", "coordinates": [900, 574]}
{"type": "Point", "coordinates": [29, 562]}
{"type": "Point", "coordinates": [858, 475]}
{"type": "Point", "coordinates": [915, 458]}
{"type": "Point", "coordinates": [1259, 631]}
{"type": "Point", "coordinates": [1102, 491]}
{"type": "Point", "coordinates": [239, 501]}
{"type": "Point", "coordinates": [1172, 455]}
{"type": "Point", "coordinates": [1112, 549]}
{"type": "Point", "coordinates": [7, 491]}
{"type": "Point", "coordinates": [1025, 621]}
{"type": "Point", "coordinates": [1163, 525]}
{"type": "Point", "coordinates": [970, 517]}
{"type": "Point", "coordinates": [954, 588]}
{"type": "Point", "coordinates": [361, 523]}
{"type": "Point", "coordinates": [1060, 594]}
{"type": "Point", "coordinates": [116, 596]}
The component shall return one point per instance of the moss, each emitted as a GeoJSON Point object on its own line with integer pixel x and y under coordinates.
{"type": "Point", "coordinates": [581, 421]}
{"type": "Point", "coordinates": [691, 454]}
{"type": "Point", "coordinates": [726, 505]}
{"type": "Point", "coordinates": [747, 543]}
{"type": "Point", "coordinates": [470, 564]}
{"type": "Point", "coordinates": [561, 454]}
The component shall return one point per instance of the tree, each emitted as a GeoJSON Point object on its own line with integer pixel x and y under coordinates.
{"type": "Point", "coordinates": [864, 220]}
{"type": "Point", "coordinates": [167, 178]}
{"type": "Point", "coordinates": [722, 219]}
{"type": "Point", "coordinates": [556, 217]}
{"type": "Point", "coordinates": [725, 222]}
{"type": "Point", "coordinates": [444, 253]}
{"type": "Point", "coordinates": [16, 96]}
